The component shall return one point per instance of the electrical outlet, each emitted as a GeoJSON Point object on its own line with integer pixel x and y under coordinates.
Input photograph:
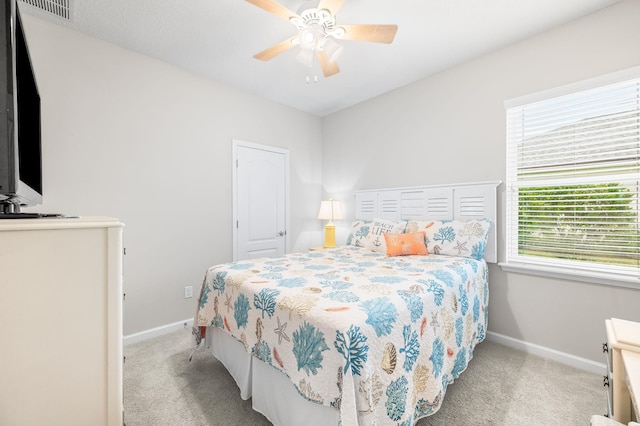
{"type": "Point", "coordinates": [188, 291]}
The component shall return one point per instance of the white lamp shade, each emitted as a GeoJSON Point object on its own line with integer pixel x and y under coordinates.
{"type": "Point", "coordinates": [332, 49]}
{"type": "Point", "coordinates": [310, 36]}
{"type": "Point", "coordinates": [305, 57]}
{"type": "Point", "coordinates": [330, 210]}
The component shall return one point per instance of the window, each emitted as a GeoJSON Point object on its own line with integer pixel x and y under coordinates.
{"type": "Point", "coordinates": [573, 172]}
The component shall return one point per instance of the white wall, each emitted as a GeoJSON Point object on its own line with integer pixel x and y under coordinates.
{"type": "Point", "coordinates": [451, 128]}
{"type": "Point", "coordinates": [131, 137]}
{"type": "Point", "coordinates": [127, 136]}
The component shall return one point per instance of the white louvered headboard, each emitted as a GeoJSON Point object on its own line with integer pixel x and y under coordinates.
{"type": "Point", "coordinates": [462, 201]}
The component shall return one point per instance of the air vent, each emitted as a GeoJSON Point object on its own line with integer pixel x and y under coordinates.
{"type": "Point", "coordinates": [59, 8]}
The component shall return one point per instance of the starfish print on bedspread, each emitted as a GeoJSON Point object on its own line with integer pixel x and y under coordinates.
{"type": "Point", "coordinates": [435, 322]}
{"type": "Point", "coordinates": [281, 331]}
{"type": "Point", "coordinates": [461, 246]}
{"type": "Point", "coordinates": [228, 302]}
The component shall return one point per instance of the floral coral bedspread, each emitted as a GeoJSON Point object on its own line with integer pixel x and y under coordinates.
{"type": "Point", "coordinates": [378, 338]}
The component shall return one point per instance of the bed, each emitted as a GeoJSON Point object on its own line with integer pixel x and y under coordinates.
{"type": "Point", "coordinates": [369, 333]}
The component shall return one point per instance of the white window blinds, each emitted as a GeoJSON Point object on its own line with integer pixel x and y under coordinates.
{"type": "Point", "coordinates": [573, 172]}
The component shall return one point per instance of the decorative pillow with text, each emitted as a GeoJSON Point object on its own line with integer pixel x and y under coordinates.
{"type": "Point", "coordinates": [378, 227]}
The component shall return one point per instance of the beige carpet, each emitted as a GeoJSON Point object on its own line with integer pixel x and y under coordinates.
{"type": "Point", "coordinates": [501, 386]}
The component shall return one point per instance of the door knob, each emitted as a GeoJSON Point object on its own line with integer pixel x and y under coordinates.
{"type": "Point", "coordinates": [281, 233]}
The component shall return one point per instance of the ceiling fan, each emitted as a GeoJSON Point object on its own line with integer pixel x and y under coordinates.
{"type": "Point", "coordinates": [317, 33]}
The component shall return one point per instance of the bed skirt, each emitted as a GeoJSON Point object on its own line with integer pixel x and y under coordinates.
{"type": "Point", "coordinates": [273, 395]}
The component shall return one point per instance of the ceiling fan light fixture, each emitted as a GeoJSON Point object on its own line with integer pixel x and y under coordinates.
{"type": "Point", "coordinates": [318, 32]}
{"type": "Point", "coordinates": [308, 39]}
{"type": "Point", "coordinates": [311, 37]}
{"type": "Point", "coordinates": [337, 32]}
{"type": "Point", "coordinates": [332, 49]}
{"type": "Point", "coordinates": [306, 57]}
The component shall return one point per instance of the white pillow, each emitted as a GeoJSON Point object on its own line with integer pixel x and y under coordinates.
{"type": "Point", "coordinates": [463, 238]}
{"type": "Point", "coordinates": [359, 233]}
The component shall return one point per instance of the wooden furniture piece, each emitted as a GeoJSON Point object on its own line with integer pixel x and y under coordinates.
{"type": "Point", "coordinates": [622, 349]}
{"type": "Point", "coordinates": [61, 322]}
{"type": "Point", "coordinates": [631, 362]}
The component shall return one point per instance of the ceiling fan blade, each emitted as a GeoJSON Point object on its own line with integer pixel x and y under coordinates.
{"type": "Point", "coordinates": [275, 50]}
{"type": "Point", "coordinates": [331, 5]}
{"type": "Point", "coordinates": [375, 33]}
{"type": "Point", "coordinates": [328, 68]}
{"type": "Point", "coordinates": [272, 7]}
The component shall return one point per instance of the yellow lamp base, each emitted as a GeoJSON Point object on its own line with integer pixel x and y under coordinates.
{"type": "Point", "coordinates": [329, 236]}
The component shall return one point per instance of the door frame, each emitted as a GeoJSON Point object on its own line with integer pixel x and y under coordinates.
{"type": "Point", "coordinates": [236, 143]}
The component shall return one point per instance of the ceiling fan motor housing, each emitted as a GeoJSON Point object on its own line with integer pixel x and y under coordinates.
{"type": "Point", "coordinates": [320, 22]}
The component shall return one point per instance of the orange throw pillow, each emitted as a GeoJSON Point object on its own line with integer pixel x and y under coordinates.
{"type": "Point", "coordinates": [406, 244]}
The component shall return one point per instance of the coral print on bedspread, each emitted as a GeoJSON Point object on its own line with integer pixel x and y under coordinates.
{"type": "Point", "coordinates": [377, 338]}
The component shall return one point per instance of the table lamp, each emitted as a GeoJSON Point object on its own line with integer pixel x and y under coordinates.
{"type": "Point", "coordinates": [330, 210]}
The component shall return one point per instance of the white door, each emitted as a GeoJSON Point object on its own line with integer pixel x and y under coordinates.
{"type": "Point", "coordinates": [260, 200]}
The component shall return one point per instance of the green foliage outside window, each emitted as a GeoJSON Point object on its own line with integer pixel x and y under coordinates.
{"type": "Point", "coordinates": [585, 222]}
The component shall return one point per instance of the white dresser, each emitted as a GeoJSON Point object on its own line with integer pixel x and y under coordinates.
{"type": "Point", "coordinates": [61, 322]}
{"type": "Point", "coordinates": [623, 369]}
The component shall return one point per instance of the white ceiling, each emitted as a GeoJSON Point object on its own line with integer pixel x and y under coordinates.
{"type": "Point", "coordinates": [218, 38]}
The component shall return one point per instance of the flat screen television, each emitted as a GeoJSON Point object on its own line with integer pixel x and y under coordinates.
{"type": "Point", "coordinates": [20, 141]}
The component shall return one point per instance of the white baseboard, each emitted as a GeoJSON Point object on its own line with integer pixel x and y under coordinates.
{"type": "Point", "coordinates": [562, 357]}
{"type": "Point", "coordinates": [157, 331]}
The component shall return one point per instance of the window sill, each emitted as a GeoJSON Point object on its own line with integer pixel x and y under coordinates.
{"type": "Point", "coordinates": [572, 274]}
